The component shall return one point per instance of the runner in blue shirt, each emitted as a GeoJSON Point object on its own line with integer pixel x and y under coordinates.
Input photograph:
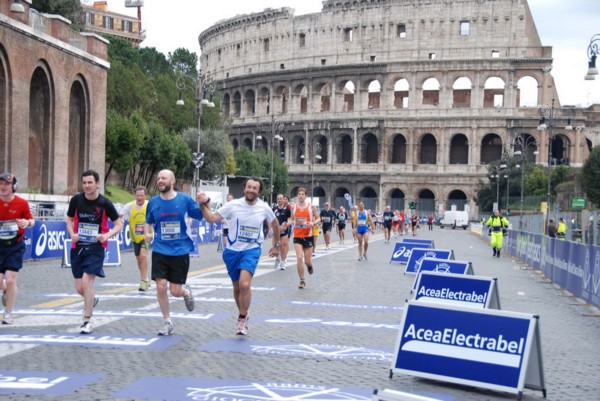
{"type": "Point", "coordinates": [168, 214]}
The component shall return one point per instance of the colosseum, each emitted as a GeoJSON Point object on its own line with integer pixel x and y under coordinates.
{"type": "Point", "coordinates": [393, 101]}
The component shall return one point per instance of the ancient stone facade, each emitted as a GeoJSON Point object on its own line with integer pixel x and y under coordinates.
{"type": "Point", "coordinates": [393, 101]}
{"type": "Point", "coordinates": [52, 100]}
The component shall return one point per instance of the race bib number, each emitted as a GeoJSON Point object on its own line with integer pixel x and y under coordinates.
{"type": "Point", "coordinates": [342, 218]}
{"type": "Point", "coordinates": [139, 229]}
{"type": "Point", "coordinates": [327, 220]}
{"type": "Point", "coordinates": [387, 218]}
{"type": "Point", "coordinates": [300, 222]}
{"type": "Point", "coordinates": [87, 232]}
{"type": "Point", "coordinates": [362, 222]}
{"type": "Point", "coordinates": [248, 234]}
{"type": "Point", "coordinates": [8, 229]}
{"type": "Point", "coordinates": [170, 230]}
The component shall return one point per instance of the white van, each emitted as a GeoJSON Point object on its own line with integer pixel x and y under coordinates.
{"type": "Point", "coordinates": [455, 219]}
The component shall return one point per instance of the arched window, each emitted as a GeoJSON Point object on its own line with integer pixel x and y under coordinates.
{"type": "Point", "coordinates": [431, 92]}
{"type": "Point", "coordinates": [428, 150]}
{"type": "Point", "coordinates": [459, 150]}
{"type": "Point", "coordinates": [493, 92]}
{"type": "Point", "coordinates": [461, 93]}
{"type": "Point", "coordinates": [527, 92]}
{"type": "Point", "coordinates": [401, 91]}
{"type": "Point", "coordinates": [398, 154]}
{"type": "Point", "coordinates": [374, 94]}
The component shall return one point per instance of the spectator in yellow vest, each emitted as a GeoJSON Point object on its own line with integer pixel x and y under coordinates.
{"type": "Point", "coordinates": [496, 223]}
{"type": "Point", "coordinates": [561, 232]}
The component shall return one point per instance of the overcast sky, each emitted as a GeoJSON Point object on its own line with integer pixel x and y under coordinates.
{"type": "Point", "coordinates": [566, 25]}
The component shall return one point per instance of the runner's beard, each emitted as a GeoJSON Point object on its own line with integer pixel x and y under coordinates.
{"type": "Point", "coordinates": [165, 189]}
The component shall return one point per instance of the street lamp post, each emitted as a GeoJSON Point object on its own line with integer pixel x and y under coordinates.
{"type": "Point", "coordinates": [316, 155]}
{"type": "Point", "coordinates": [547, 112]}
{"type": "Point", "coordinates": [201, 85]}
{"type": "Point", "coordinates": [521, 148]}
{"type": "Point", "coordinates": [274, 129]}
{"type": "Point", "coordinates": [592, 51]}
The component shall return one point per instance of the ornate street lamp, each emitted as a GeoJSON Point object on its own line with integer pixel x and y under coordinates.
{"type": "Point", "coordinates": [201, 86]}
{"type": "Point", "coordinates": [316, 156]}
{"type": "Point", "coordinates": [592, 52]}
{"type": "Point", "coordinates": [273, 130]}
{"type": "Point", "coordinates": [523, 142]}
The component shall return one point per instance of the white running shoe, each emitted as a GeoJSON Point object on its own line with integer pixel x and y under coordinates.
{"type": "Point", "coordinates": [167, 329]}
{"type": "Point", "coordinates": [242, 326]}
{"type": "Point", "coordinates": [7, 318]}
{"type": "Point", "coordinates": [86, 327]}
{"type": "Point", "coordinates": [282, 265]}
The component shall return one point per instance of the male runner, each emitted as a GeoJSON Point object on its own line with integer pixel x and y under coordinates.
{"type": "Point", "coordinates": [283, 213]}
{"type": "Point", "coordinates": [327, 217]}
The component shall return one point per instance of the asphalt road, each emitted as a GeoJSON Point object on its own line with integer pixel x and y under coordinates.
{"type": "Point", "coordinates": [333, 340]}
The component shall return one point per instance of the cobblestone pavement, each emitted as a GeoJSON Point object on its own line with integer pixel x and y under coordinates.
{"type": "Point", "coordinates": [333, 340]}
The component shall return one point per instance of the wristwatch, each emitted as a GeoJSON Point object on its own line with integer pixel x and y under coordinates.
{"type": "Point", "coordinates": [276, 245]}
{"type": "Point", "coordinates": [207, 202]}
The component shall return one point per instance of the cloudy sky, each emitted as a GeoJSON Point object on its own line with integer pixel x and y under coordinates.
{"type": "Point", "coordinates": [566, 25]}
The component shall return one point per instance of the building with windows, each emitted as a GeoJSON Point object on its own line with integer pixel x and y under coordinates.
{"type": "Point", "coordinates": [52, 100]}
{"type": "Point", "coordinates": [100, 20]}
{"type": "Point", "coordinates": [394, 101]}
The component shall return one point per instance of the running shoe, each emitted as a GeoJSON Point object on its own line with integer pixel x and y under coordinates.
{"type": "Point", "coordinates": [7, 318]}
{"type": "Point", "coordinates": [144, 285]}
{"type": "Point", "coordinates": [302, 284]}
{"type": "Point", "coordinates": [310, 269]}
{"type": "Point", "coordinates": [167, 329]}
{"type": "Point", "coordinates": [282, 265]}
{"type": "Point", "coordinates": [189, 301]}
{"type": "Point", "coordinates": [86, 327]}
{"type": "Point", "coordinates": [242, 326]}
{"type": "Point", "coordinates": [96, 299]}
{"type": "Point", "coordinates": [365, 256]}
{"type": "Point", "coordinates": [277, 263]}
{"type": "Point", "coordinates": [360, 258]}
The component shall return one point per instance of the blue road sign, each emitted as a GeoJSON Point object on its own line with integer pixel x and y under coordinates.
{"type": "Point", "coordinates": [476, 347]}
{"type": "Point", "coordinates": [457, 289]}
{"type": "Point", "coordinates": [443, 266]}
{"type": "Point", "coordinates": [417, 255]}
{"type": "Point", "coordinates": [427, 243]}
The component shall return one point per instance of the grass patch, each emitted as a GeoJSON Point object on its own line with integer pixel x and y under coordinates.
{"type": "Point", "coordinates": [118, 194]}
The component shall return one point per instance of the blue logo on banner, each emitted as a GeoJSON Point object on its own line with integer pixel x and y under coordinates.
{"type": "Point", "coordinates": [454, 289]}
{"type": "Point", "coordinates": [402, 252]}
{"type": "Point", "coordinates": [302, 350]}
{"type": "Point", "coordinates": [417, 256]}
{"type": "Point", "coordinates": [100, 341]}
{"type": "Point", "coordinates": [444, 266]}
{"type": "Point", "coordinates": [237, 390]}
{"type": "Point", "coordinates": [43, 383]}
{"type": "Point", "coordinates": [478, 345]}
{"type": "Point", "coordinates": [48, 239]}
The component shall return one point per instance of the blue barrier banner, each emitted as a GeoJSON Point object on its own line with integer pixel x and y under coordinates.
{"type": "Point", "coordinates": [124, 237]}
{"type": "Point", "coordinates": [576, 262]}
{"type": "Point", "coordinates": [426, 243]}
{"type": "Point", "coordinates": [457, 289]}
{"type": "Point", "coordinates": [48, 238]}
{"type": "Point", "coordinates": [591, 276]}
{"type": "Point", "coordinates": [402, 252]}
{"type": "Point", "coordinates": [478, 347]}
{"type": "Point", "coordinates": [547, 262]}
{"type": "Point", "coordinates": [418, 254]}
{"type": "Point", "coordinates": [560, 271]}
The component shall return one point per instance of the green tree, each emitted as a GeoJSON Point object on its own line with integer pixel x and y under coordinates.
{"type": "Point", "coordinates": [129, 89]}
{"type": "Point", "coordinates": [215, 147]}
{"type": "Point", "coordinates": [184, 62]}
{"type": "Point", "coordinates": [124, 139]}
{"type": "Point", "coordinates": [590, 176]}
